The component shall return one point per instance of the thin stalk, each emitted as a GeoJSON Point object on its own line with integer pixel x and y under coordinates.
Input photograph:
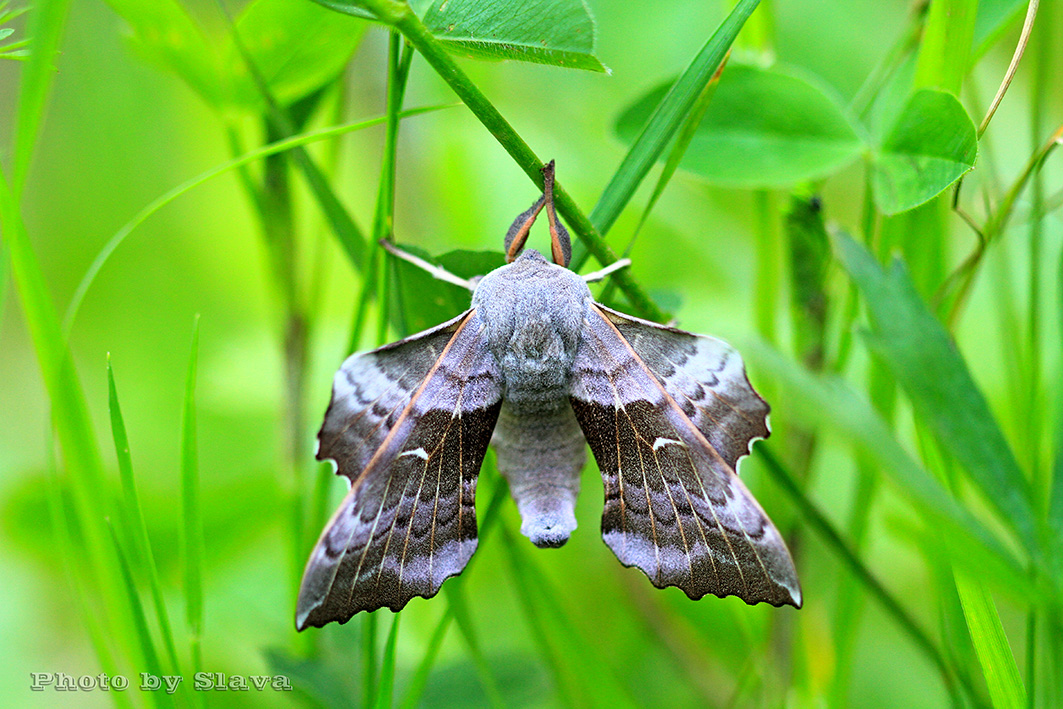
{"type": "Point", "coordinates": [402, 17]}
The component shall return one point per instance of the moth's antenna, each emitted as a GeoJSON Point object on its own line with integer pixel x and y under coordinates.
{"type": "Point", "coordinates": [518, 232]}
{"type": "Point", "coordinates": [560, 243]}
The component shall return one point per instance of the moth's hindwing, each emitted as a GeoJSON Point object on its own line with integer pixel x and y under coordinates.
{"type": "Point", "coordinates": [409, 424]}
{"type": "Point", "coordinates": [667, 414]}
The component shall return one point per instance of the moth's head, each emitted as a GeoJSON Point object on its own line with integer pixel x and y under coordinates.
{"type": "Point", "coordinates": [560, 244]}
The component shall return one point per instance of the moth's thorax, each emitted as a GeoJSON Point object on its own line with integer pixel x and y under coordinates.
{"type": "Point", "coordinates": [532, 312]}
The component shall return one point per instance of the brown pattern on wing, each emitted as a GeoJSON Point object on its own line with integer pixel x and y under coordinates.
{"type": "Point", "coordinates": [370, 391]}
{"type": "Point", "coordinates": [674, 506]}
{"type": "Point", "coordinates": [706, 377]}
{"type": "Point", "coordinates": [409, 521]}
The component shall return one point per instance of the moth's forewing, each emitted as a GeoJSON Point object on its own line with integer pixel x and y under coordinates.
{"type": "Point", "coordinates": [409, 423]}
{"type": "Point", "coordinates": [667, 414]}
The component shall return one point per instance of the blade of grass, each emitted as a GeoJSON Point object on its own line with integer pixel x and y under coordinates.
{"type": "Point", "coordinates": [73, 427]}
{"type": "Point", "coordinates": [192, 528]}
{"type": "Point", "coordinates": [46, 25]}
{"type": "Point", "coordinates": [68, 552]}
{"type": "Point", "coordinates": [666, 120]}
{"type": "Point", "coordinates": [822, 526]}
{"type": "Point", "coordinates": [831, 404]}
{"type": "Point", "coordinates": [483, 669]}
{"type": "Point", "coordinates": [369, 652]}
{"type": "Point", "coordinates": [926, 364]}
{"type": "Point", "coordinates": [164, 199]}
{"type": "Point", "coordinates": [140, 621]}
{"type": "Point", "coordinates": [686, 133]}
{"type": "Point", "coordinates": [566, 686]}
{"type": "Point", "coordinates": [946, 45]}
{"type": "Point", "coordinates": [991, 643]}
{"type": "Point", "coordinates": [136, 517]}
{"type": "Point", "coordinates": [387, 670]}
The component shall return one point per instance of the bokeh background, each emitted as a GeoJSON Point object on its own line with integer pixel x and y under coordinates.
{"type": "Point", "coordinates": [121, 129]}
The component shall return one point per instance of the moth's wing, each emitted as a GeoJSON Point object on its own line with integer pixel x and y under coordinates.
{"type": "Point", "coordinates": [674, 506]}
{"type": "Point", "coordinates": [418, 434]}
{"type": "Point", "coordinates": [707, 379]}
{"type": "Point", "coordinates": [370, 391]}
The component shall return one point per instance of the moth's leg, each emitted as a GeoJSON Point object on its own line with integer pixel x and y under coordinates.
{"type": "Point", "coordinates": [437, 272]}
{"type": "Point", "coordinates": [596, 276]}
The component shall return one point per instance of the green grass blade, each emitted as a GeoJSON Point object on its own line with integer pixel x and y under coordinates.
{"type": "Point", "coordinates": [350, 236]}
{"type": "Point", "coordinates": [369, 673]}
{"type": "Point", "coordinates": [832, 405]}
{"type": "Point", "coordinates": [192, 528]}
{"type": "Point", "coordinates": [136, 516]}
{"type": "Point", "coordinates": [675, 156]}
{"type": "Point", "coordinates": [834, 540]}
{"type": "Point", "coordinates": [140, 621]}
{"type": "Point", "coordinates": [929, 368]}
{"type": "Point", "coordinates": [73, 427]}
{"type": "Point", "coordinates": [468, 631]}
{"type": "Point", "coordinates": [667, 119]}
{"type": "Point", "coordinates": [387, 669]}
{"type": "Point", "coordinates": [259, 153]}
{"type": "Point", "coordinates": [565, 685]}
{"type": "Point", "coordinates": [419, 681]}
{"type": "Point", "coordinates": [46, 26]}
{"type": "Point", "coordinates": [946, 45]}
{"type": "Point", "coordinates": [68, 554]}
{"type": "Point", "coordinates": [991, 643]}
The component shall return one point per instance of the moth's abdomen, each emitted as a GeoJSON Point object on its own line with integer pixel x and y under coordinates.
{"type": "Point", "coordinates": [541, 453]}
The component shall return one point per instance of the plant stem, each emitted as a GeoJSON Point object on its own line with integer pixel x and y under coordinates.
{"type": "Point", "coordinates": [402, 17]}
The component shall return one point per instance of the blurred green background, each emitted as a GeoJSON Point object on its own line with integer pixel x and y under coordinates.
{"type": "Point", "coordinates": [121, 128]}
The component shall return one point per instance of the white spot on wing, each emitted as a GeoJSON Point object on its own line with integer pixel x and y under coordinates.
{"type": "Point", "coordinates": [419, 452]}
{"type": "Point", "coordinates": [662, 442]}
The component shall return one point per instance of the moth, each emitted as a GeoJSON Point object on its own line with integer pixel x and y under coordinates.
{"type": "Point", "coordinates": [541, 370]}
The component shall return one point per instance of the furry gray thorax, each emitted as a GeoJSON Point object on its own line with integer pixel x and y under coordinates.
{"type": "Point", "coordinates": [533, 313]}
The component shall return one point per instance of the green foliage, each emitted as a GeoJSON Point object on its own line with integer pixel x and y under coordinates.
{"type": "Point", "coordinates": [916, 459]}
{"type": "Point", "coordinates": [555, 32]}
{"type": "Point", "coordinates": [764, 128]}
{"type": "Point", "coordinates": [16, 49]}
{"type": "Point", "coordinates": [930, 146]}
{"type": "Point", "coordinates": [917, 350]}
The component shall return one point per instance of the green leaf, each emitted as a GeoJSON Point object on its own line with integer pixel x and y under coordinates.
{"type": "Point", "coordinates": [928, 367]}
{"type": "Point", "coordinates": [297, 46]}
{"type": "Point", "coordinates": [428, 301]}
{"type": "Point", "coordinates": [930, 146]}
{"type": "Point", "coordinates": [139, 529]}
{"type": "Point", "coordinates": [764, 128]}
{"type": "Point", "coordinates": [990, 643]}
{"type": "Point", "coordinates": [555, 32]}
{"type": "Point", "coordinates": [275, 34]}
{"type": "Point", "coordinates": [192, 528]}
